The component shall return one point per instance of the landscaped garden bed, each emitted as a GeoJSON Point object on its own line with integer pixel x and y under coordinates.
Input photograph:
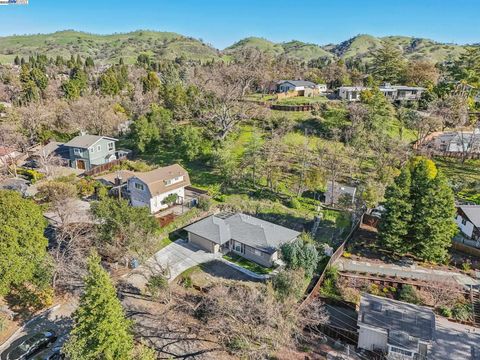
{"type": "Point", "coordinates": [247, 264]}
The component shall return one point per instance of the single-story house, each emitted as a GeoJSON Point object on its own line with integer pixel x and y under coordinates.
{"type": "Point", "coordinates": [400, 92]}
{"type": "Point", "coordinates": [458, 142]}
{"type": "Point", "coordinates": [402, 330]}
{"type": "Point", "coordinates": [87, 151]}
{"type": "Point", "coordinates": [405, 331]}
{"type": "Point", "coordinates": [252, 238]}
{"type": "Point", "coordinates": [468, 220]}
{"type": "Point", "coordinates": [151, 188]}
{"type": "Point", "coordinates": [337, 192]}
{"type": "Point", "coordinates": [307, 87]}
{"type": "Point", "coordinates": [392, 92]}
{"type": "Point", "coordinates": [350, 93]}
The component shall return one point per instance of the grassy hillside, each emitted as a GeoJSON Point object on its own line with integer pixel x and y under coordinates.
{"type": "Point", "coordinates": [293, 49]}
{"type": "Point", "coordinates": [106, 48]}
{"type": "Point", "coordinates": [109, 48]}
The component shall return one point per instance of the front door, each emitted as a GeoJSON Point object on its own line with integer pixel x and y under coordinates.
{"type": "Point", "coordinates": [81, 164]}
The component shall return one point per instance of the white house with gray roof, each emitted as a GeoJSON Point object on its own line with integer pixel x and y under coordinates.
{"type": "Point", "coordinates": [468, 220]}
{"type": "Point", "coordinates": [299, 85]}
{"type": "Point", "coordinates": [252, 238]}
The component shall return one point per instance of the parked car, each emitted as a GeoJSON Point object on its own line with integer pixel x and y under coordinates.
{"type": "Point", "coordinates": [32, 345]}
{"type": "Point", "coordinates": [54, 353]}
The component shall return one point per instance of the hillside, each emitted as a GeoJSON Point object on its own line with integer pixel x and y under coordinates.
{"type": "Point", "coordinates": [110, 48]}
{"type": "Point", "coordinates": [106, 48]}
{"type": "Point", "coordinates": [293, 49]}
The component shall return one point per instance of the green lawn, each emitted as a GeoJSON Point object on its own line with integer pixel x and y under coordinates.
{"type": "Point", "coordinates": [302, 100]}
{"type": "Point", "coordinates": [247, 264]}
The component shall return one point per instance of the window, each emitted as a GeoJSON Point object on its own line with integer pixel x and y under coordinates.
{"type": "Point", "coordinates": [464, 221]}
{"type": "Point", "coordinates": [400, 351]}
{"type": "Point", "coordinates": [174, 180]}
{"type": "Point", "coordinates": [77, 151]}
{"type": "Point", "coordinates": [139, 186]}
{"type": "Point", "coordinates": [92, 150]}
{"type": "Point", "coordinates": [257, 252]}
{"type": "Point", "coordinates": [110, 146]}
{"type": "Point", "coordinates": [99, 148]}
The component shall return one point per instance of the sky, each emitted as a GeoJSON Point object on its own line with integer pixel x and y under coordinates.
{"type": "Point", "coordinates": [223, 22]}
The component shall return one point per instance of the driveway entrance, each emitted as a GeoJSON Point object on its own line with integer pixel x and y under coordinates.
{"type": "Point", "coordinates": [176, 258]}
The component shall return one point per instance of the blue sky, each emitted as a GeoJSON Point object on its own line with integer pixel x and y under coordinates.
{"type": "Point", "coordinates": [222, 22]}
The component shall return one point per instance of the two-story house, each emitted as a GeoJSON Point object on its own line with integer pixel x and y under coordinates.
{"type": "Point", "coordinates": [87, 151]}
{"type": "Point", "coordinates": [150, 189]}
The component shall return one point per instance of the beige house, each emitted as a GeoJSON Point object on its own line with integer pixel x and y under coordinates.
{"type": "Point", "coordinates": [252, 238]}
{"type": "Point", "coordinates": [149, 189]}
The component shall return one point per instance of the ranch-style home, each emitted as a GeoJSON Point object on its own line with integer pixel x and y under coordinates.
{"type": "Point", "coordinates": [150, 188]}
{"type": "Point", "coordinates": [306, 88]}
{"type": "Point", "coordinates": [392, 92]}
{"type": "Point", "coordinates": [87, 151]}
{"type": "Point", "coordinates": [254, 239]}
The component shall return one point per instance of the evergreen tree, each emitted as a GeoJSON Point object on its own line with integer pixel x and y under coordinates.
{"type": "Point", "coordinates": [151, 82]}
{"type": "Point", "coordinates": [23, 246]}
{"type": "Point", "coordinates": [17, 60]}
{"type": "Point", "coordinates": [388, 64]}
{"type": "Point", "coordinates": [398, 215]}
{"type": "Point", "coordinates": [420, 211]}
{"type": "Point", "coordinates": [100, 329]}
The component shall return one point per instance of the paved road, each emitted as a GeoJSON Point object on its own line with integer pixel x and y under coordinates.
{"type": "Point", "coordinates": [414, 272]}
{"type": "Point", "coordinates": [58, 319]}
{"type": "Point", "coordinates": [175, 258]}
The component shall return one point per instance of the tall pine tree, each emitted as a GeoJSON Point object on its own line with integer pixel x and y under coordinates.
{"type": "Point", "coordinates": [398, 215]}
{"type": "Point", "coordinates": [420, 210]}
{"type": "Point", "coordinates": [100, 329]}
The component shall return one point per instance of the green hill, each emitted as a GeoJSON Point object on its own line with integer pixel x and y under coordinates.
{"type": "Point", "coordinates": [293, 49]}
{"type": "Point", "coordinates": [106, 48]}
{"type": "Point", "coordinates": [110, 48]}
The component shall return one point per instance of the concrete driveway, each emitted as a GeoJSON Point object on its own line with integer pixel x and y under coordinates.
{"type": "Point", "coordinates": [57, 318]}
{"type": "Point", "coordinates": [173, 259]}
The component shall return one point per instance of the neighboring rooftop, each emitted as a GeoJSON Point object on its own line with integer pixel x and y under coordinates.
{"type": "Point", "coordinates": [403, 321]}
{"type": "Point", "coordinates": [156, 179]}
{"type": "Point", "coordinates": [85, 141]}
{"type": "Point", "coordinates": [246, 229]}
{"type": "Point", "coordinates": [298, 82]}
{"type": "Point", "coordinates": [473, 213]}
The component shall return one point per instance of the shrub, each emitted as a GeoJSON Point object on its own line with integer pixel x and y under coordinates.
{"type": "Point", "coordinates": [467, 265]}
{"type": "Point", "coordinates": [204, 203]}
{"type": "Point", "coordinates": [294, 203]}
{"type": "Point", "coordinates": [187, 282]}
{"type": "Point", "coordinates": [462, 311]}
{"type": "Point", "coordinates": [351, 295]}
{"type": "Point", "coordinates": [346, 254]}
{"type": "Point", "coordinates": [288, 283]}
{"type": "Point", "coordinates": [301, 255]}
{"type": "Point", "coordinates": [170, 199]}
{"type": "Point", "coordinates": [86, 187]}
{"type": "Point", "coordinates": [409, 294]}
{"type": "Point", "coordinates": [156, 285]}
{"type": "Point", "coordinates": [32, 175]}
{"type": "Point", "coordinates": [446, 311]}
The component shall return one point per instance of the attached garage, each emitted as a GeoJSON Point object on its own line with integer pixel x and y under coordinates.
{"type": "Point", "coordinates": [203, 243]}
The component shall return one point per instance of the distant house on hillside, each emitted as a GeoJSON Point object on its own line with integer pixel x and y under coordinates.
{"type": "Point", "coordinates": [350, 93]}
{"type": "Point", "coordinates": [392, 92]}
{"type": "Point", "coordinates": [468, 220]}
{"type": "Point", "coordinates": [340, 193]}
{"type": "Point", "coordinates": [87, 151]}
{"type": "Point", "coordinates": [149, 189]}
{"type": "Point", "coordinates": [456, 142]}
{"type": "Point", "coordinates": [252, 238]}
{"type": "Point", "coordinates": [306, 88]}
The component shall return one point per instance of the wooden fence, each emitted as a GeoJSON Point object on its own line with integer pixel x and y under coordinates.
{"type": "Point", "coordinates": [465, 249]}
{"type": "Point", "coordinates": [337, 254]}
{"type": "Point", "coordinates": [102, 168]}
{"type": "Point", "coordinates": [292, 107]}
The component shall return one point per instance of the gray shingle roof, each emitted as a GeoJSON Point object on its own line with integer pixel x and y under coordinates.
{"type": "Point", "coordinates": [473, 213]}
{"type": "Point", "coordinates": [402, 320]}
{"type": "Point", "coordinates": [85, 141]}
{"type": "Point", "coordinates": [246, 229]}
{"type": "Point", "coordinates": [298, 82]}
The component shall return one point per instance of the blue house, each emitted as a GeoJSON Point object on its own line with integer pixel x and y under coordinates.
{"type": "Point", "coordinates": [87, 151]}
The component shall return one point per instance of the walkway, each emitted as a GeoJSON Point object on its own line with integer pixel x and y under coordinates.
{"type": "Point", "coordinates": [173, 259]}
{"type": "Point", "coordinates": [412, 272]}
